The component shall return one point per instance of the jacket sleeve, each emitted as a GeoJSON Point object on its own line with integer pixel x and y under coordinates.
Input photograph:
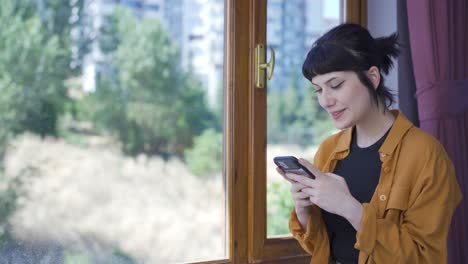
{"type": "Point", "coordinates": [422, 235]}
{"type": "Point", "coordinates": [314, 240]}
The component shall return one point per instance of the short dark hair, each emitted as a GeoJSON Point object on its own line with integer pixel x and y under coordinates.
{"type": "Point", "coordinates": [350, 47]}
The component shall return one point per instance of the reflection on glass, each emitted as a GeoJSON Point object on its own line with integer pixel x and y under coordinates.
{"type": "Point", "coordinates": [111, 135]}
{"type": "Point", "coordinates": [296, 123]}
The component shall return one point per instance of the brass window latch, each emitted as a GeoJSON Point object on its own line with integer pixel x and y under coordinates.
{"type": "Point", "coordinates": [261, 65]}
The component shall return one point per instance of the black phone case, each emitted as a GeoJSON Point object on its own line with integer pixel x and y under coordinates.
{"type": "Point", "coordinates": [284, 161]}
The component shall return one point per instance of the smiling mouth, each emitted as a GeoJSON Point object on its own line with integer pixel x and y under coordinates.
{"type": "Point", "coordinates": [337, 114]}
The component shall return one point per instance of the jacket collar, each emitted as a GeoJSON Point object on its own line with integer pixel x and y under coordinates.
{"type": "Point", "coordinates": [398, 130]}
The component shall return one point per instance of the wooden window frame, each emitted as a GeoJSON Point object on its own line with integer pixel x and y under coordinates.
{"type": "Point", "coordinates": [356, 11]}
{"type": "Point", "coordinates": [245, 138]}
{"type": "Point", "coordinates": [261, 248]}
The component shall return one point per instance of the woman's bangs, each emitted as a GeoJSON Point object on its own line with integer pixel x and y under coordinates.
{"type": "Point", "coordinates": [327, 58]}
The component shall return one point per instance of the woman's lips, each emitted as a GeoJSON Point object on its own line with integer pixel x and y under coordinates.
{"type": "Point", "coordinates": [337, 114]}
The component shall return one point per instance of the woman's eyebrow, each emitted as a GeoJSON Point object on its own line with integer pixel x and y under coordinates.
{"type": "Point", "coordinates": [329, 80]}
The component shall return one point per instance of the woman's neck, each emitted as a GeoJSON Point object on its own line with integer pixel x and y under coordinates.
{"type": "Point", "coordinates": [373, 127]}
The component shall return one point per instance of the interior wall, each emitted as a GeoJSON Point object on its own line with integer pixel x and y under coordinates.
{"type": "Point", "coordinates": [382, 21]}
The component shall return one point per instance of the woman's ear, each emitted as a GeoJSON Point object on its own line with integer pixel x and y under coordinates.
{"type": "Point", "coordinates": [374, 76]}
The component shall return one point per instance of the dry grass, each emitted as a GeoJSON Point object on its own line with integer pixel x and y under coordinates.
{"type": "Point", "coordinates": [94, 199]}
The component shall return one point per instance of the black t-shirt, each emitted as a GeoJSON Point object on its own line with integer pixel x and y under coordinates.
{"type": "Point", "coordinates": [361, 169]}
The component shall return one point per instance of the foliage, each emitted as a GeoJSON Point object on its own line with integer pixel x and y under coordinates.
{"type": "Point", "coordinates": [71, 257]}
{"type": "Point", "coordinates": [121, 257]}
{"type": "Point", "coordinates": [295, 117]}
{"type": "Point", "coordinates": [31, 78]}
{"type": "Point", "coordinates": [35, 61]}
{"type": "Point", "coordinates": [206, 156]}
{"type": "Point", "coordinates": [66, 21]}
{"type": "Point", "coordinates": [279, 206]}
{"type": "Point", "coordinates": [7, 206]}
{"type": "Point", "coordinates": [10, 190]}
{"type": "Point", "coordinates": [118, 257]}
{"type": "Point", "coordinates": [150, 103]}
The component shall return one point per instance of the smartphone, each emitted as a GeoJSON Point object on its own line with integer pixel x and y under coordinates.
{"type": "Point", "coordinates": [290, 164]}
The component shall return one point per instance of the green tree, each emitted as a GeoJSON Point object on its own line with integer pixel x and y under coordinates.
{"type": "Point", "coordinates": [31, 73]}
{"type": "Point", "coordinates": [151, 103]}
{"type": "Point", "coordinates": [274, 116]}
{"type": "Point", "coordinates": [218, 108]}
{"type": "Point", "coordinates": [66, 20]}
{"type": "Point", "coordinates": [206, 156]}
{"type": "Point", "coordinates": [36, 59]}
{"type": "Point", "coordinates": [294, 116]}
{"type": "Point", "coordinates": [279, 206]}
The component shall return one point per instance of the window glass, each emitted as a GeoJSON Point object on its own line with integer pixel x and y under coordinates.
{"type": "Point", "coordinates": [296, 124]}
{"type": "Point", "coordinates": [112, 132]}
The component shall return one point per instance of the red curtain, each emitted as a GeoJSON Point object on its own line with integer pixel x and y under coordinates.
{"type": "Point", "coordinates": [438, 33]}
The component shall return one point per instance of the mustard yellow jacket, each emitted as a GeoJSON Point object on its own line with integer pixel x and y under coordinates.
{"type": "Point", "coordinates": [408, 217]}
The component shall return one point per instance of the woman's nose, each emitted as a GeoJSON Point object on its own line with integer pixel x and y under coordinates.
{"type": "Point", "coordinates": [326, 100]}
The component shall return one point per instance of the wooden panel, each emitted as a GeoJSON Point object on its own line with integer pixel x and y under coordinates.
{"type": "Point", "coordinates": [257, 172]}
{"type": "Point", "coordinates": [356, 11]}
{"type": "Point", "coordinates": [292, 260]}
{"type": "Point", "coordinates": [277, 248]}
{"type": "Point", "coordinates": [238, 79]}
{"type": "Point", "coordinates": [223, 261]}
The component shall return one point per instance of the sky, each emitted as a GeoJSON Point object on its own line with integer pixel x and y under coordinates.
{"type": "Point", "coordinates": [331, 8]}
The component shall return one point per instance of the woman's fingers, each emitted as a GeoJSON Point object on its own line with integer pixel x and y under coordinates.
{"type": "Point", "coordinates": [298, 183]}
{"type": "Point", "coordinates": [303, 203]}
{"type": "Point", "coordinates": [297, 187]}
{"type": "Point", "coordinates": [311, 167]}
{"type": "Point", "coordinates": [300, 196]}
{"type": "Point", "coordinates": [309, 192]}
{"type": "Point", "coordinates": [301, 179]}
{"type": "Point", "coordinates": [281, 172]}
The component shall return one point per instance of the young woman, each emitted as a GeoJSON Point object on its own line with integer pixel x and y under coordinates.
{"type": "Point", "coordinates": [385, 190]}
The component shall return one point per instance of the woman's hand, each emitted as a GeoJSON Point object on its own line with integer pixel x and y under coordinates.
{"type": "Point", "coordinates": [302, 202]}
{"type": "Point", "coordinates": [329, 192]}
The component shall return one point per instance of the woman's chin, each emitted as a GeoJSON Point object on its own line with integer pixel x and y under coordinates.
{"type": "Point", "coordinates": [341, 124]}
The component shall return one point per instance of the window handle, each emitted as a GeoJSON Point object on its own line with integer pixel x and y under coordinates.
{"type": "Point", "coordinates": [261, 65]}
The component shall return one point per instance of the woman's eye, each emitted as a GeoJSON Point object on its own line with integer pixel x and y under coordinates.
{"type": "Point", "coordinates": [318, 90]}
{"type": "Point", "coordinates": [337, 86]}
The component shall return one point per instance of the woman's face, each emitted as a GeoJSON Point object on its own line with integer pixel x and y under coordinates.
{"type": "Point", "coordinates": [345, 98]}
